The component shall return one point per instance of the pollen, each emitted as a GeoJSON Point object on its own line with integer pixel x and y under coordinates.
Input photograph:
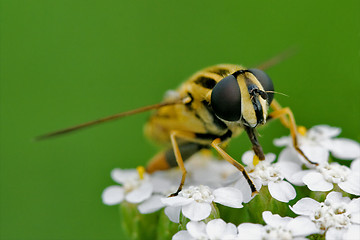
{"type": "Point", "coordinates": [201, 194]}
{"type": "Point", "coordinates": [256, 160]}
{"type": "Point", "coordinates": [302, 130]}
{"type": "Point", "coordinates": [206, 152]}
{"type": "Point", "coordinates": [141, 171]}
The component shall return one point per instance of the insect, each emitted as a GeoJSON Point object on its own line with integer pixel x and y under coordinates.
{"type": "Point", "coordinates": [213, 106]}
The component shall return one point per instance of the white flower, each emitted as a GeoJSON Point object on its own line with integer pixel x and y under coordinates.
{"type": "Point", "coordinates": [137, 187]}
{"type": "Point", "coordinates": [319, 141]}
{"type": "Point", "coordinates": [195, 203]}
{"type": "Point", "coordinates": [215, 229]}
{"type": "Point", "coordinates": [268, 174]}
{"type": "Point", "coordinates": [277, 228]}
{"type": "Point", "coordinates": [337, 216]}
{"type": "Point", "coordinates": [133, 189]}
{"type": "Point", "coordinates": [204, 169]}
{"type": "Point", "coordinates": [324, 176]}
{"type": "Point", "coordinates": [164, 183]}
{"type": "Point", "coordinates": [291, 169]}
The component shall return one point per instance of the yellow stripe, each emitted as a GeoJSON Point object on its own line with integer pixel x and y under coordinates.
{"type": "Point", "coordinates": [263, 102]}
{"type": "Point", "coordinates": [247, 109]}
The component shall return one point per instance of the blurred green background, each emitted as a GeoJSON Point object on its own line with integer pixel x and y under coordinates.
{"type": "Point", "coordinates": [65, 62]}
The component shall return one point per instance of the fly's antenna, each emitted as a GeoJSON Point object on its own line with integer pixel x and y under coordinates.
{"type": "Point", "coordinates": [110, 118]}
{"type": "Point", "coordinates": [277, 93]}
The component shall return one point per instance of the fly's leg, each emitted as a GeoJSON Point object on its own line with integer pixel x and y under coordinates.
{"type": "Point", "coordinates": [283, 119]}
{"type": "Point", "coordinates": [216, 144]}
{"type": "Point", "coordinates": [287, 119]}
{"type": "Point", "coordinates": [167, 159]}
{"type": "Point", "coordinates": [178, 157]}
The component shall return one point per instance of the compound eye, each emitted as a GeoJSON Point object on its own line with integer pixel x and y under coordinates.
{"type": "Point", "coordinates": [226, 99]}
{"type": "Point", "coordinates": [265, 81]}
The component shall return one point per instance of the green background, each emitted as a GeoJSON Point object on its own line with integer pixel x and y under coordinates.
{"type": "Point", "coordinates": [64, 62]}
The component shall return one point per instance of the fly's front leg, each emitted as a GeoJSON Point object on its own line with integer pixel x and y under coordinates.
{"type": "Point", "coordinates": [216, 144]}
{"type": "Point", "coordinates": [286, 116]}
{"type": "Point", "coordinates": [283, 119]}
{"type": "Point", "coordinates": [177, 153]}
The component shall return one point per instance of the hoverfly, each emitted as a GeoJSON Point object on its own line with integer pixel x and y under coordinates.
{"type": "Point", "coordinates": [209, 109]}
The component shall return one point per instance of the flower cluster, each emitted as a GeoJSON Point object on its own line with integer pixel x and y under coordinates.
{"type": "Point", "coordinates": [337, 216]}
{"type": "Point", "coordinates": [216, 201]}
{"type": "Point", "coordinates": [276, 228]}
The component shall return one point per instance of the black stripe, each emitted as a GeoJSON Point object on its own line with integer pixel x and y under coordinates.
{"type": "Point", "coordinates": [258, 110]}
{"type": "Point", "coordinates": [217, 121]}
{"type": "Point", "coordinates": [254, 95]}
{"type": "Point", "coordinates": [221, 71]}
{"type": "Point", "coordinates": [205, 82]}
{"type": "Point", "coordinates": [188, 104]}
{"type": "Point", "coordinates": [237, 73]}
{"type": "Point", "coordinates": [227, 135]}
{"type": "Point", "coordinates": [186, 151]}
{"type": "Point", "coordinates": [209, 136]}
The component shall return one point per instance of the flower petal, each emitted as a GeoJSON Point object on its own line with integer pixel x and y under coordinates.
{"type": "Point", "coordinates": [218, 170]}
{"type": "Point", "coordinates": [302, 226]}
{"type": "Point", "coordinates": [354, 209]}
{"type": "Point", "coordinates": [123, 175]}
{"type": "Point", "coordinates": [323, 132]}
{"type": "Point", "coordinates": [247, 158]}
{"type": "Point", "coordinates": [113, 195]}
{"type": "Point", "coordinates": [352, 233]}
{"type": "Point", "coordinates": [334, 233]}
{"type": "Point", "coordinates": [140, 194]}
{"type": "Point", "coordinates": [275, 220]}
{"type": "Point", "coordinates": [173, 213]}
{"type": "Point", "coordinates": [316, 182]}
{"type": "Point", "coordinates": [215, 229]}
{"type": "Point", "coordinates": [228, 196]}
{"type": "Point", "coordinates": [355, 217]}
{"type": "Point", "coordinates": [336, 197]}
{"type": "Point", "coordinates": [250, 231]}
{"type": "Point", "coordinates": [182, 235]}
{"type": "Point", "coordinates": [197, 229]}
{"type": "Point", "coordinates": [161, 181]}
{"type": "Point", "coordinates": [355, 165]}
{"type": "Point", "coordinates": [176, 201]}
{"type": "Point", "coordinates": [297, 178]}
{"type": "Point", "coordinates": [352, 184]}
{"type": "Point", "coordinates": [343, 148]}
{"type": "Point", "coordinates": [270, 157]}
{"type": "Point", "coordinates": [282, 191]}
{"type": "Point", "coordinates": [288, 168]}
{"type": "Point", "coordinates": [283, 141]}
{"type": "Point", "coordinates": [305, 206]}
{"type": "Point", "coordinates": [354, 205]}
{"type": "Point", "coordinates": [315, 153]}
{"type": "Point", "coordinates": [196, 211]}
{"type": "Point", "coordinates": [232, 178]}
{"type": "Point", "coordinates": [151, 205]}
{"type": "Point", "coordinates": [230, 231]}
{"type": "Point", "coordinates": [289, 154]}
{"type": "Point", "coordinates": [244, 187]}
{"type": "Point", "coordinates": [292, 172]}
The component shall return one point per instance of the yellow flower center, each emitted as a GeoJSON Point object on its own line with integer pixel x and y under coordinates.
{"type": "Point", "coordinates": [302, 130]}
{"type": "Point", "coordinates": [256, 160]}
{"type": "Point", "coordinates": [141, 171]}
